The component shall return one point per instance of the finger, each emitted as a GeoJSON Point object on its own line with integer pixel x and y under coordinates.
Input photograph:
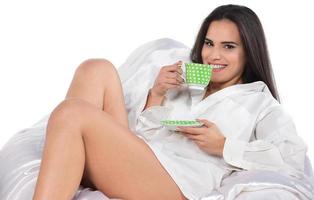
{"type": "Point", "coordinates": [171, 74]}
{"type": "Point", "coordinates": [206, 122]}
{"type": "Point", "coordinates": [172, 81]}
{"type": "Point", "coordinates": [180, 71]}
{"type": "Point", "coordinates": [168, 86]}
{"type": "Point", "coordinates": [179, 62]}
{"type": "Point", "coordinates": [189, 130]}
{"type": "Point", "coordinates": [175, 75]}
{"type": "Point", "coordinates": [179, 78]}
{"type": "Point", "coordinates": [172, 68]}
{"type": "Point", "coordinates": [195, 138]}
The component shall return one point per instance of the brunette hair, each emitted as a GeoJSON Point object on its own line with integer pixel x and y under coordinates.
{"type": "Point", "coordinates": [258, 65]}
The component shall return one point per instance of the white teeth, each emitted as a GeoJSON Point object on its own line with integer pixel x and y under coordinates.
{"type": "Point", "coordinates": [218, 66]}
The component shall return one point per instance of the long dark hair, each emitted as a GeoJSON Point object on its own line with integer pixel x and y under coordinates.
{"type": "Point", "coordinates": [258, 65]}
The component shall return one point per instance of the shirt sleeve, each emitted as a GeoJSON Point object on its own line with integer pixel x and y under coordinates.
{"type": "Point", "coordinates": [276, 146]}
{"type": "Point", "coordinates": [148, 121]}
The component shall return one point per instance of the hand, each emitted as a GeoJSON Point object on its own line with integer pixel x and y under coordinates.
{"type": "Point", "coordinates": [208, 137]}
{"type": "Point", "coordinates": [169, 77]}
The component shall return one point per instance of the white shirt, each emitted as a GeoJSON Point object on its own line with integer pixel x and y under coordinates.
{"type": "Point", "coordinates": [259, 135]}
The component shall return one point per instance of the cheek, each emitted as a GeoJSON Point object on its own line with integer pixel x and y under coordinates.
{"type": "Point", "coordinates": [204, 53]}
{"type": "Point", "coordinates": [238, 60]}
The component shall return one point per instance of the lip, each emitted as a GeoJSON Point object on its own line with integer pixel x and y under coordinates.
{"type": "Point", "coordinates": [217, 64]}
{"type": "Point", "coordinates": [218, 70]}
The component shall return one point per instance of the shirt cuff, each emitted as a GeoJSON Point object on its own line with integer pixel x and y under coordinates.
{"type": "Point", "coordinates": [156, 113]}
{"type": "Point", "coordinates": [233, 152]}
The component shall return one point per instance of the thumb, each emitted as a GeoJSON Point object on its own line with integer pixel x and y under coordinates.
{"type": "Point", "coordinates": [178, 62]}
{"type": "Point", "coordinates": [205, 122]}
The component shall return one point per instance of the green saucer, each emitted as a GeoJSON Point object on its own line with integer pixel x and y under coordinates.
{"type": "Point", "coordinates": [173, 124]}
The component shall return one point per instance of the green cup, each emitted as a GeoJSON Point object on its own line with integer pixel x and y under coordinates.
{"type": "Point", "coordinates": [197, 76]}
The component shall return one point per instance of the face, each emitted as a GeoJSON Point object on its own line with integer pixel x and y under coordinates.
{"type": "Point", "coordinates": [223, 50]}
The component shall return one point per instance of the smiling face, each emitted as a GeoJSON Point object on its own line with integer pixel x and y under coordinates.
{"type": "Point", "coordinates": [223, 49]}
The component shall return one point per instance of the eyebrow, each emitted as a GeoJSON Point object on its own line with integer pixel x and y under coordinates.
{"type": "Point", "coordinates": [224, 42]}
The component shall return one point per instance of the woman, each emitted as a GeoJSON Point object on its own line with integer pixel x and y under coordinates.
{"type": "Point", "coordinates": [244, 125]}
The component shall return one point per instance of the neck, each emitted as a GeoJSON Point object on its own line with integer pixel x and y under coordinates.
{"type": "Point", "coordinates": [215, 87]}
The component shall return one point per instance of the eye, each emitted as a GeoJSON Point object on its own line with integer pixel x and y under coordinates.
{"type": "Point", "coordinates": [209, 43]}
{"type": "Point", "coordinates": [229, 46]}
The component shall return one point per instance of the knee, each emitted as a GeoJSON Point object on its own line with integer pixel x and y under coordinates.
{"type": "Point", "coordinates": [95, 67]}
{"type": "Point", "coordinates": [68, 111]}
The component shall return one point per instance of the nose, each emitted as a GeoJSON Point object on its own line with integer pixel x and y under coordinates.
{"type": "Point", "coordinates": [215, 53]}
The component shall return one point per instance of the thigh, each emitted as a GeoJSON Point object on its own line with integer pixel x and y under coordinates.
{"type": "Point", "coordinates": [119, 163]}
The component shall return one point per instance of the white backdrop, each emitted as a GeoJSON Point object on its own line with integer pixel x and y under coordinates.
{"type": "Point", "coordinates": [42, 42]}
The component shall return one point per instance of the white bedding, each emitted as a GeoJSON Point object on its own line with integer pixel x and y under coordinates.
{"type": "Point", "coordinates": [20, 157]}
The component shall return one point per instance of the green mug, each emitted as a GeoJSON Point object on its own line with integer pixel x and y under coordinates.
{"type": "Point", "coordinates": [196, 75]}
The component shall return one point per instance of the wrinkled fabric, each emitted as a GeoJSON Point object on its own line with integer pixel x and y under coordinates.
{"type": "Point", "coordinates": [20, 157]}
{"type": "Point", "coordinates": [259, 136]}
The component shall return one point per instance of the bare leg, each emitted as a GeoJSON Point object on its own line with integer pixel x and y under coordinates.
{"type": "Point", "coordinates": [92, 80]}
{"type": "Point", "coordinates": [120, 164]}
{"type": "Point", "coordinates": [65, 155]}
